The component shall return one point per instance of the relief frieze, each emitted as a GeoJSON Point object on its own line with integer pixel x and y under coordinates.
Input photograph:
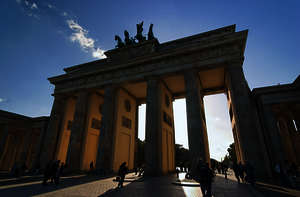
{"type": "Point", "coordinates": [146, 69]}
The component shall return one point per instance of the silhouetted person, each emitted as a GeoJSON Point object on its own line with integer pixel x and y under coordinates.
{"type": "Point", "coordinates": [236, 171]}
{"type": "Point", "coordinates": [177, 173]}
{"type": "Point", "coordinates": [61, 169]}
{"type": "Point", "coordinates": [205, 178]}
{"type": "Point", "coordinates": [135, 171]}
{"type": "Point", "coordinates": [249, 169]}
{"type": "Point", "coordinates": [224, 169]}
{"type": "Point", "coordinates": [55, 172]}
{"type": "Point", "coordinates": [241, 169]}
{"type": "Point", "coordinates": [23, 168]}
{"type": "Point", "coordinates": [219, 169]}
{"type": "Point", "coordinates": [141, 170]}
{"type": "Point", "coordinates": [91, 167]}
{"type": "Point", "coordinates": [47, 172]}
{"type": "Point", "coordinates": [122, 172]}
{"type": "Point", "coordinates": [292, 174]}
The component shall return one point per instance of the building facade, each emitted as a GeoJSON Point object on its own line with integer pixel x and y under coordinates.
{"type": "Point", "coordinates": [21, 140]}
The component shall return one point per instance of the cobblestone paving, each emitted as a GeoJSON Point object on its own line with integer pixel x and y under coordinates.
{"type": "Point", "coordinates": [79, 186]}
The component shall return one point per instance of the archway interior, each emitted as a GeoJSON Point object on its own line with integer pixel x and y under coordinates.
{"type": "Point", "coordinates": [217, 122]}
{"type": "Point", "coordinates": [218, 125]}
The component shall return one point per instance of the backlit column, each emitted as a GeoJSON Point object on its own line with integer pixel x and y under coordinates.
{"type": "Point", "coordinates": [54, 126]}
{"type": "Point", "coordinates": [91, 138]}
{"type": "Point", "coordinates": [136, 164]}
{"type": "Point", "coordinates": [78, 129]}
{"type": "Point", "coordinates": [273, 127]}
{"type": "Point", "coordinates": [153, 145]}
{"type": "Point", "coordinates": [3, 139]}
{"type": "Point", "coordinates": [107, 133]}
{"type": "Point", "coordinates": [26, 145]}
{"type": "Point", "coordinates": [246, 119]}
{"type": "Point", "coordinates": [197, 134]}
{"type": "Point", "coordinates": [38, 148]}
{"type": "Point", "coordinates": [287, 132]}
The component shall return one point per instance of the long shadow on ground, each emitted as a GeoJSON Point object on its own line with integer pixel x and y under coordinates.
{"type": "Point", "coordinates": [33, 186]}
{"type": "Point", "coordinates": [151, 186]}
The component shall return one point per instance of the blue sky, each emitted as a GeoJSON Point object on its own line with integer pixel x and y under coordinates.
{"type": "Point", "coordinates": [39, 38]}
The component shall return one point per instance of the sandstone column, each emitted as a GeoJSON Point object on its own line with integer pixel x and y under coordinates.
{"type": "Point", "coordinates": [54, 127]}
{"type": "Point", "coordinates": [3, 139]}
{"type": "Point", "coordinates": [153, 129]}
{"type": "Point", "coordinates": [78, 129]}
{"type": "Point", "coordinates": [197, 134]}
{"type": "Point", "coordinates": [136, 135]}
{"type": "Point", "coordinates": [38, 150]}
{"type": "Point", "coordinates": [107, 133]}
{"type": "Point", "coordinates": [247, 122]}
{"type": "Point", "coordinates": [26, 145]}
{"type": "Point", "coordinates": [272, 127]}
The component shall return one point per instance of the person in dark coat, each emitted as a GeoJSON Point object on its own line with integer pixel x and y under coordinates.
{"type": "Point", "coordinates": [205, 178]}
{"type": "Point", "coordinates": [236, 171]}
{"type": "Point", "coordinates": [47, 172]}
{"type": "Point", "coordinates": [122, 172]}
{"type": "Point", "coordinates": [249, 170]}
{"type": "Point", "coordinates": [241, 171]}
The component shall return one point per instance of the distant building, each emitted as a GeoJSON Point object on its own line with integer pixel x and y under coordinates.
{"type": "Point", "coordinates": [21, 140]}
{"type": "Point", "coordinates": [279, 113]}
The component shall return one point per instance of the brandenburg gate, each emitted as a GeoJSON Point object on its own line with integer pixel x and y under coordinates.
{"type": "Point", "coordinates": [95, 110]}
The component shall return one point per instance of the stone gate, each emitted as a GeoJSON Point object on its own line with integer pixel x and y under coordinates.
{"type": "Point", "coordinates": [95, 109]}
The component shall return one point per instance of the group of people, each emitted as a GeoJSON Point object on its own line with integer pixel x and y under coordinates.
{"type": "Point", "coordinates": [53, 171]}
{"type": "Point", "coordinates": [205, 175]}
{"type": "Point", "coordinates": [222, 169]}
{"type": "Point", "coordinates": [286, 174]}
{"type": "Point", "coordinates": [244, 172]}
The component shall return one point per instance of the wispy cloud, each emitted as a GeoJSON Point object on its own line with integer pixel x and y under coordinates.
{"type": "Point", "coordinates": [75, 32]}
{"type": "Point", "coordinates": [2, 100]}
{"type": "Point", "coordinates": [80, 35]}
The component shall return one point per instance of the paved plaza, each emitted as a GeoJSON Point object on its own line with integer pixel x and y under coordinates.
{"type": "Point", "coordinates": [82, 185]}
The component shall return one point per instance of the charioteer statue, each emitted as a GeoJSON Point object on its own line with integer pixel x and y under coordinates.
{"type": "Point", "coordinates": [129, 41]}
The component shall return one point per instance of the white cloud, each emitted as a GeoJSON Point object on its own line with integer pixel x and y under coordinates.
{"type": "Point", "coordinates": [80, 35]}
{"type": "Point", "coordinates": [18, 1]}
{"type": "Point", "coordinates": [50, 6]}
{"type": "Point", "coordinates": [98, 53]}
{"type": "Point", "coordinates": [34, 6]}
{"type": "Point", "coordinates": [65, 14]}
{"type": "Point", "coordinates": [26, 2]}
{"type": "Point", "coordinates": [2, 100]}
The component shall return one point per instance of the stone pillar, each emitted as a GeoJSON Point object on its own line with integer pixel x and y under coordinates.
{"type": "Point", "coordinates": [54, 127]}
{"type": "Point", "coordinates": [3, 139]}
{"type": "Point", "coordinates": [272, 127]}
{"type": "Point", "coordinates": [78, 129]}
{"type": "Point", "coordinates": [153, 145]}
{"type": "Point", "coordinates": [26, 146]}
{"type": "Point", "coordinates": [136, 135]}
{"type": "Point", "coordinates": [107, 133]}
{"type": "Point", "coordinates": [40, 142]}
{"type": "Point", "coordinates": [247, 122]}
{"type": "Point", "coordinates": [197, 134]}
{"type": "Point", "coordinates": [287, 130]}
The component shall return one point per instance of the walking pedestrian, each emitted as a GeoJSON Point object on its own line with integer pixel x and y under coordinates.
{"type": "Point", "coordinates": [205, 178]}
{"type": "Point", "coordinates": [122, 172]}
{"type": "Point", "coordinates": [241, 171]}
{"type": "Point", "coordinates": [235, 168]}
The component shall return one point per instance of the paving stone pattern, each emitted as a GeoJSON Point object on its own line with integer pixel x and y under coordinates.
{"type": "Point", "coordinates": [79, 186]}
